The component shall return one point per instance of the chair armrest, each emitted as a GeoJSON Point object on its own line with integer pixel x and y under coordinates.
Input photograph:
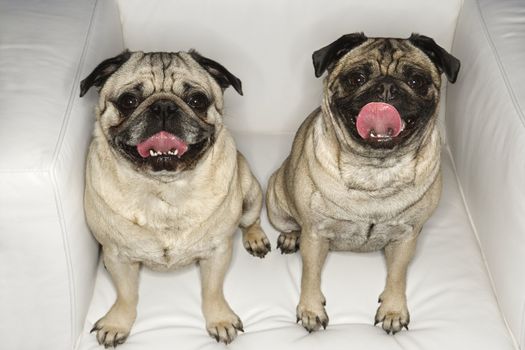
{"type": "Point", "coordinates": [486, 134]}
{"type": "Point", "coordinates": [47, 255]}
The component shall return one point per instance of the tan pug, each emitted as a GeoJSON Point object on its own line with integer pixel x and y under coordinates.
{"type": "Point", "coordinates": [364, 170]}
{"type": "Point", "coordinates": [165, 185]}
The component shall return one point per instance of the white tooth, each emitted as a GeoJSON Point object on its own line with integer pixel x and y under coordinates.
{"type": "Point", "coordinates": [175, 152]}
{"type": "Point", "coordinates": [151, 152]}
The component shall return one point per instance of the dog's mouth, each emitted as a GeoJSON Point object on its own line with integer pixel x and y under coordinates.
{"type": "Point", "coordinates": [164, 151]}
{"type": "Point", "coordinates": [379, 122]}
{"type": "Point", "coordinates": [380, 125]}
{"type": "Point", "coordinates": [162, 144]}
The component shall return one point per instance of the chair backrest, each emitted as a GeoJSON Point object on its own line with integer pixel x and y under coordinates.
{"type": "Point", "coordinates": [268, 43]}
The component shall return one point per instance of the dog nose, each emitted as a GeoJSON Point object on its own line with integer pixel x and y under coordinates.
{"type": "Point", "coordinates": [387, 91]}
{"type": "Point", "coordinates": [164, 108]}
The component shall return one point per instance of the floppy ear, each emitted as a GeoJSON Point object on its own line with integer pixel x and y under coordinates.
{"type": "Point", "coordinates": [103, 71]}
{"type": "Point", "coordinates": [445, 62]}
{"type": "Point", "coordinates": [324, 57]}
{"type": "Point", "coordinates": [221, 75]}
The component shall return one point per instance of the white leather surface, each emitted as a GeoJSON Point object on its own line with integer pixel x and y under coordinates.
{"type": "Point", "coordinates": [449, 295]}
{"type": "Point", "coordinates": [47, 255]}
{"type": "Point", "coordinates": [268, 44]}
{"type": "Point", "coordinates": [48, 258]}
{"type": "Point", "coordinates": [486, 131]}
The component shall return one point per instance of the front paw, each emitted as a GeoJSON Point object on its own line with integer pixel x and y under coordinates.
{"type": "Point", "coordinates": [223, 328]}
{"type": "Point", "coordinates": [393, 313]}
{"type": "Point", "coordinates": [255, 241]}
{"type": "Point", "coordinates": [289, 242]}
{"type": "Point", "coordinates": [113, 329]}
{"type": "Point", "coordinates": [312, 316]}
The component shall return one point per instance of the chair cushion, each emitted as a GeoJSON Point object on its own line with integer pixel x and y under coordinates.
{"type": "Point", "coordinates": [449, 295]}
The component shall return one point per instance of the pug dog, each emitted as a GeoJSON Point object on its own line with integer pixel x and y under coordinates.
{"type": "Point", "coordinates": [364, 169]}
{"type": "Point", "coordinates": [165, 185]}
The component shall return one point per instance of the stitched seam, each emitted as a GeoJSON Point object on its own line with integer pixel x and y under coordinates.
{"type": "Point", "coordinates": [58, 197]}
{"type": "Point", "coordinates": [501, 67]}
{"type": "Point", "coordinates": [484, 258]}
{"type": "Point", "coordinates": [444, 136]}
{"type": "Point", "coordinates": [121, 19]}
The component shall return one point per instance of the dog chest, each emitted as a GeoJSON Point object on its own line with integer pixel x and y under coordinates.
{"type": "Point", "coordinates": [167, 252]}
{"type": "Point", "coordinates": [165, 231]}
{"type": "Point", "coordinates": [176, 245]}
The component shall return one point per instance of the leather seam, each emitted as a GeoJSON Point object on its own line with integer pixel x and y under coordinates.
{"type": "Point", "coordinates": [53, 176]}
{"type": "Point", "coordinates": [501, 67]}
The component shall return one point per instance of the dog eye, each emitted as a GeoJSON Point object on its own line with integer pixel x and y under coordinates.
{"type": "Point", "coordinates": [357, 79]}
{"type": "Point", "coordinates": [128, 101]}
{"type": "Point", "coordinates": [198, 101]}
{"type": "Point", "coordinates": [417, 82]}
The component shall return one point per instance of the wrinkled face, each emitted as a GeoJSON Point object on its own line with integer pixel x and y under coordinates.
{"type": "Point", "coordinates": [160, 111]}
{"type": "Point", "coordinates": [384, 93]}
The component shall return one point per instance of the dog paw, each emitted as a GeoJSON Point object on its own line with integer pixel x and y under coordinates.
{"type": "Point", "coordinates": [393, 314]}
{"type": "Point", "coordinates": [225, 330]}
{"type": "Point", "coordinates": [256, 242]}
{"type": "Point", "coordinates": [113, 329]}
{"type": "Point", "coordinates": [312, 318]}
{"type": "Point", "coordinates": [288, 242]}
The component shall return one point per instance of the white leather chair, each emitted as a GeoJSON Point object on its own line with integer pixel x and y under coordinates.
{"type": "Point", "coordinates": [466, 285]}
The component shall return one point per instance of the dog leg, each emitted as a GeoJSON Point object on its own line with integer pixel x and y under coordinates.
{"type": "Point", "coordinates": [280, 217]}
{"type": "Point", "coordinates": [311, 311]}
{"type": "Point", "coordinates": [253, 237]}
{"type": "Point", "coordinates": [393, 311]}
{"type": "Point", "coordinates": [114, 327]}
{"type": "Point", "coordinates": [221, 322]}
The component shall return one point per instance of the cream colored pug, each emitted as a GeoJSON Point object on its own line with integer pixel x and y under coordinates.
{"type": "Point", "coordinates": [165, 185]}
{"type": "Point", "coordinates": [364, 173]}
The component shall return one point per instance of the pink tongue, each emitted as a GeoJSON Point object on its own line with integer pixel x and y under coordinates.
{"type": "Point", "coordinates": [378, 119]}
{"type": "Point", "coordinates": [162, 142]}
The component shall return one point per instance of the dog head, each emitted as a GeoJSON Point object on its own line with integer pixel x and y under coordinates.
{"type": "Point", "coordinates": [383, 92]}
{"type": "Point", "coordinates": [160, 111]}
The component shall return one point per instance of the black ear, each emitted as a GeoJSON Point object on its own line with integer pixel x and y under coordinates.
{"type": "Point", "coordinates": [223, 77]}
{"type": "Point", "coordinates": [329, 54]}
{"type": "Point", "coordinates": [445, 62]}
{"type": "Point", "coordinates": [103, 71]}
